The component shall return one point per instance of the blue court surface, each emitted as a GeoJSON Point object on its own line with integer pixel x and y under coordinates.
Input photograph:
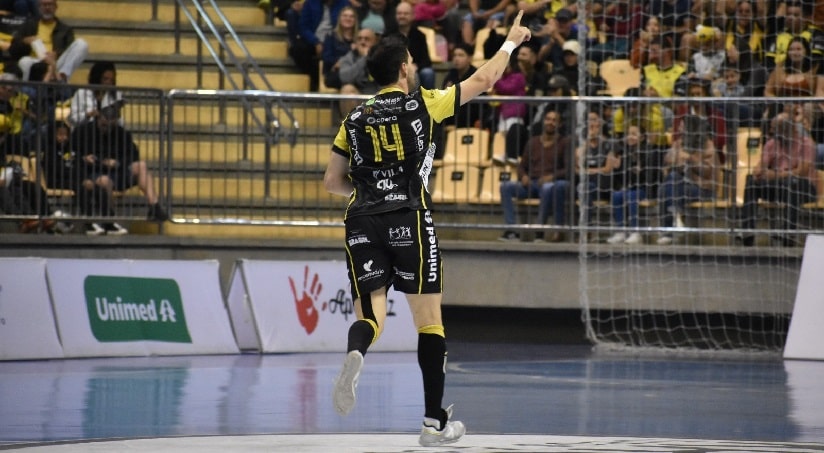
{"type": "Point", "coordinates": [512, 397]}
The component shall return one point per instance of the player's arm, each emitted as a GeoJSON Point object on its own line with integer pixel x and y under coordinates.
{"type": "Point", "coordinates": [486, 76]}
{"type": "Point", "coordinates": [336, 179]}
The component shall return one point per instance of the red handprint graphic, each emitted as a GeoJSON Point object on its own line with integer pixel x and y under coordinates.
{"type": "Point", "coordinates": [305, 303]}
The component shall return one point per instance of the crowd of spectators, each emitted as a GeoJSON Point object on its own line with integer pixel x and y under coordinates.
{"type": "Point", "coordinates": [89, 152]}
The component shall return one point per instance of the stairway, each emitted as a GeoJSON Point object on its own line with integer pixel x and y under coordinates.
{"type": "Point", "coordinates": [143, 49]}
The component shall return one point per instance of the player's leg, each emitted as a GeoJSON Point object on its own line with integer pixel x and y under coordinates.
{"type": "Point", "coordinates": [369, 273]}
{"type": "Point", "coordinates": [437, 428]}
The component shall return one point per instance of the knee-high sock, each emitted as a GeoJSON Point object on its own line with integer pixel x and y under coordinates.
{"type": "Point", "coordinates": [362, 333]}
{"type": "Point", "coordinates": [432, 360]}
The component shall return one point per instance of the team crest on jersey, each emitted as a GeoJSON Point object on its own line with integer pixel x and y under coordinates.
{"type": "Point", "coordinates": [411, 105]}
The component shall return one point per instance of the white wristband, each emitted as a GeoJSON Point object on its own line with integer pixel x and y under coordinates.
{"type": "Point", "coordinates": [508, 47]}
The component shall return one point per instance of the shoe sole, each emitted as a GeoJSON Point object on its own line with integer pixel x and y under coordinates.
{"type": "Point", "coordinates": [344, 389]}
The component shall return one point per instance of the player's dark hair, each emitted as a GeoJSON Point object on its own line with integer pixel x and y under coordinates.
{"type": "Point", "coordinates": [386, 57]}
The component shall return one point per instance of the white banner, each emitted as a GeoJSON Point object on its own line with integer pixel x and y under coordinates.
{"type": "Point", "coordinates": [805, 339]}
{"type": "Point", "coordinates": [139, 307]}
{"type": "Point", "coordinates": [307, 307]}
{"type": "Point", "coordinates": [27, 329]}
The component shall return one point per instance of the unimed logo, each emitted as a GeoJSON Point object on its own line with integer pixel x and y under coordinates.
{"type": "Point", "coordinates": [133, 309]}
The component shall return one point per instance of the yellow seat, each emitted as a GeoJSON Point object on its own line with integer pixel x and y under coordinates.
{"type": "Point", "coordinates": [466, 145]}
{"type": "Point", "coordinates": [431, 44]}
{"type": "Point", "coordinates": [481, 36]}
{"type": "Point", "coordinates": [456, 183]}
{"type": "Point", "coordinates": [619, 75]}
{"type": "Point", "coordinates": [749, 147]}
{"type": "Point", "coordinates": [491, 180]}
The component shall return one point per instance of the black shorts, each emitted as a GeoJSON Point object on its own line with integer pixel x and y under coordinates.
{"type": "Point", "coordinates": [398, 249]}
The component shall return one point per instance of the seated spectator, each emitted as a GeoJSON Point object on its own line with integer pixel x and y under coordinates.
{"type": "Point", "coordinates": [68, 52]}
{"type": "Point", "coordinates": [10, 26]}
{"type": "Point", "coordinates": [796, 77]}
{"type": "Point", "coordinates": [677, 18]}
{"type": "Point", "coordinates": [707, 62]}
{"type": "Point", "coordinates": [693, 165]}
{"type": "Point", "coordinates": [699, 88]}
{"type": "Point", "coordinates": [559, 30]}
{"type": "Point", "coordinates": [405, 25]}
{"type": "Point", "coordinates": [354, 76]}
{"type": "Point", "coordinates": [378, 16]}
{"type": "Point", "coordinates": [469, 114]}
{"type": "Point", "coordinates": [638, 55]}
{"type": "Point", "coordinates": [337, 44]}
{"type": "Point", "coordinates": [617, 23]}
{"type": "Point", "coordinates": [797, 22]}
{"type": "Point", "coordinates": [786, 174]}
{"type": "Point", "coordinates": [309, 22]}
{"type": "Point", "coordinates": [20, 195]}
{"type": "Point", "coordinates": [744, 45]}
{"type": "Point", "coordinates": [86, 103]}
{"type": "Point", "coordinates": [635, 179]}
{"type": "Point", "coordinates": [511, 83]}
{"type": "Point", "coordinates": [483, 13]}
{"type": "Point", "coordinates": [744, 113]}
{"type": "Point", "coordinates": [16, 117]}
{"type": "Point", "coordinates": [569, 70]}
{"type": "Point", "coordinates": [441, 14]}
{"type": "Point", "coordinates": [542, 173]}
{"type": "Point", "coordinates": [61, 163]}
{"type": "Point", "coordinates": [112, 162]}
{"type": "Point", "coordinates": [24, 8]}
{"type": "Point", "coordinates": [658, 80]}
{"type": "Point", "coordinates": [598, 163]}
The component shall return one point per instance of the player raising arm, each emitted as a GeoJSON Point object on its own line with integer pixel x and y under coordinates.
{"type": "Point", "coordinates": [381, 159]}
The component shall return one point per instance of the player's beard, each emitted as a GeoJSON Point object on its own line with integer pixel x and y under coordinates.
{"type": "Point", "coordinates": [412, 81]}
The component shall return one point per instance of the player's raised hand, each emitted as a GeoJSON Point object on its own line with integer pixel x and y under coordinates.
{"type": "Point", "coordinates": [518, 33]}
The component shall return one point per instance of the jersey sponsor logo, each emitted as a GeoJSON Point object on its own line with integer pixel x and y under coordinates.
{"type": "Point", "coordinates": [404, 275]}
{"type": "Point", "coordinates": [370, 274]}
{"type": "Point", "coordinates": [432, 259]}
{"type": "Point", "coordinates": [387, 173]}
{"type": "Point", "coordinates": [353, 146]}
{"type": "Point", "coordinates": [355, 116]}
{"type": "Point", "coordinates": [427, 217]}
{"type": "Point", "coordinates": [388, 119]}
{"type": "Point", "coordinates": [395, 197]}
{"type": "Point", "coordinates": [355, 240]}
{"type": "Point", "coordinates": [411, 105]}
{"type": "Point", "coordinates": [399, 233]}
{"type": "Point", "coordinates": [386, 101]}
{"type": "Point", "coordinates": [386, 184]}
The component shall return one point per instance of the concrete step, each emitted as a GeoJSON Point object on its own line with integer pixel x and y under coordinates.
{"type": "Point", "coordinates": [141, 44]}
{"type": "Point", "coordinates": [158, 78]}
{"type": "Point", "coordinates": [237, 12]}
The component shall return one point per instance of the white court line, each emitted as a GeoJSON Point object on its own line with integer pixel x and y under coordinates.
{"type": "Point", "coordinates": [407, 443]}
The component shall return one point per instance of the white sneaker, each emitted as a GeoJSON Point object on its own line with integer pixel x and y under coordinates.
{"type": "Point", "coordinates": [431, 436]}
{"type": "Point", "coordinates": [115, 229]}
{"type": "Point", "coordinates": [664, 240]}
{"type": "Point", "coordinates": [343, 392]}
{"type": "Point", "coordinates": [94, 229]}
{"type": "Point", "coordinates": [617, 238]}
{"type": "Point", "coordinates": [634, 238]}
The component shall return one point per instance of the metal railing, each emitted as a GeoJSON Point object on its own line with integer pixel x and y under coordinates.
{"type": "Point", "coordinates": [212, 168]}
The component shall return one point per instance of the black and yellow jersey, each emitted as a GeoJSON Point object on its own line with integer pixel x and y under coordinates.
{"type": "Point", "coordinates": [388, 141]}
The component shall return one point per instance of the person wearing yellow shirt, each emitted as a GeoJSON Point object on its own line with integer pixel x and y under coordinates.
{"type": "Point", "coordinates": [49, 35]}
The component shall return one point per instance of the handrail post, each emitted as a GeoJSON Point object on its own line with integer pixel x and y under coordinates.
{"type": "Point", "coordinates": [177, 27]}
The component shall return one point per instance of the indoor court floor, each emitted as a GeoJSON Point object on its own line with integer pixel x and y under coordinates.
{"type": "Point", "coordinates": [512, 397]}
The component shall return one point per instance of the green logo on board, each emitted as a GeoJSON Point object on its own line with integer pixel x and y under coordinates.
{"type": "Point", "coordinates": [134, 309]}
